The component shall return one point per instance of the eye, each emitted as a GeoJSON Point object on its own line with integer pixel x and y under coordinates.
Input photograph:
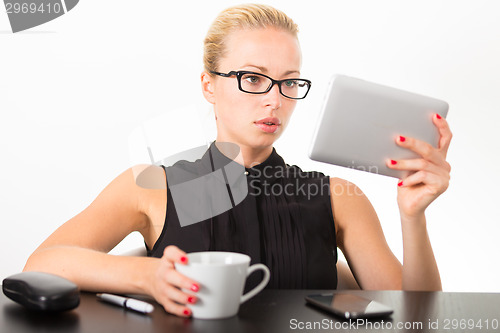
{"type": "Point", "coordinates": [252, 78]}
{"type": "Point", "coordinates": [290, 83]}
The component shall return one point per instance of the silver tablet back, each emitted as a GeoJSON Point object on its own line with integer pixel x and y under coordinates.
{"type": "Point", "coordinates": [360, 121]}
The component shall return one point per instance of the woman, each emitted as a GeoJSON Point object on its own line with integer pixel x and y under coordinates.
{"type": "Point", "coordinates": [295, 235]}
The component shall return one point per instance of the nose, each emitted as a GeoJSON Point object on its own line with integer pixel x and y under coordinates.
{"type": "Point", "coordinates": [273, 97]}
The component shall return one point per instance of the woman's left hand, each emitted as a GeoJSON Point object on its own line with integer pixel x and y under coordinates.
{"type": "Point", "coordinates": [430, 174]}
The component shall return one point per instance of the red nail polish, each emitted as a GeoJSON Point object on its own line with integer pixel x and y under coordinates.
{"type": "Point", "coordinates": [400, 183]}
{"type": "Point", "coordinates": [187, 312]}
{"type": "Point", "coordinates": [191, 299]}
{"type": "Point", "coordinates": [195, 288]}
{"type": "Point", "coordinates": [438, 116]}
{"type": "Point", "coordinates": [402, 139]}
{"type": "Point", "coordinates": [184, 259]}
{"type": "Point", "coordinates": [393, 162]}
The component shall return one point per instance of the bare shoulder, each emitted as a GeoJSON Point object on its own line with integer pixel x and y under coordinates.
{"type": "Point", "coordinates": [339, 186]}
{"type": "Point", "coordinates": [148, 176]}
{"type": "Point", "coordinates": [139, 182]}
{"type": "Point", "coordinates": [346, 194]}
{"type": "Point", "coordinates": [134, 196]}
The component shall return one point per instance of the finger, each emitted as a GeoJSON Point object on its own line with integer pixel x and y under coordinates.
{"type": "Point", "coordinates": [415, 165]}
{"type": "Point", "coordinates": [174, 308]}
{"type": "Point", "coordinates": [445, 134]}
{"type": "Point", "coordinates": [422, 148]}
{"type": "Point", "coordinates": [414, 179]}
{"type": "Point", "coordinates": [438, 183]}
{"type": "Point", "coordinates": [177, 279]}
{"type": "Point", "coordinates": [175, 294]}
{"type": "Point", "coordinates": [173, 254]}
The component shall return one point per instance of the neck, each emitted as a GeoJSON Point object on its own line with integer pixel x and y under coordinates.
{"type": "Point", "coordinates": [251, 156]}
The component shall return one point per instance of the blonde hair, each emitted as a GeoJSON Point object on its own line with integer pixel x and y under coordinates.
{"type": "Point", "coordinates": [247, 16]}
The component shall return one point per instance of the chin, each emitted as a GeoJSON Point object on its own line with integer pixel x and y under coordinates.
{"type": "Point", "coordinates": [253, 139]}
{"type": "Point", "coordinates": [265, 140]}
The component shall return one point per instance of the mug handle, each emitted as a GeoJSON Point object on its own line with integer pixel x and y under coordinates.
{"type": "Point", "coordinates": [261, 285]}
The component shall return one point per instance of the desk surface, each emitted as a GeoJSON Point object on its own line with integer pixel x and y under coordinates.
{"type": "Point", "coordinates": [271, 311]}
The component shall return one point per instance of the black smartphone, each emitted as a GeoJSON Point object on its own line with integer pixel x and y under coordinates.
{"type": "Point", "coordinates": [349, 306]}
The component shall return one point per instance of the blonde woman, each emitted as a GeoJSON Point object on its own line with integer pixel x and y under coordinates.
{"type": "Point", "coordinates": [252, 78]}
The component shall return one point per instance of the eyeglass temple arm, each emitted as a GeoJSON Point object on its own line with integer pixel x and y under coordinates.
{"type": "Point", "coordinates": [224, 74]}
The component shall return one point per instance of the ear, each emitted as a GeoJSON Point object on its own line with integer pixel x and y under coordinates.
{"type": "Point", "coordinates": [207, 87]}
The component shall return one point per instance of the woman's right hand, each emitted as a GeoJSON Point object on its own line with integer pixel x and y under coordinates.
{"type": "Point", "coordinates": [166, 284]}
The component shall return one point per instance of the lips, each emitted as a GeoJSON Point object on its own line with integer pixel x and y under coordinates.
{"type": "Point", "coordinates": [269, 124]}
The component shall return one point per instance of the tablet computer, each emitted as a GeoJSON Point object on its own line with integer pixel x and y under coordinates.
{"type": "Point", "coordinates": [360, 121]}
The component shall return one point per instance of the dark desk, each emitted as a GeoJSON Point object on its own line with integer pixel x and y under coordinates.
{"type": "Point", "coordinates": [271, 311]}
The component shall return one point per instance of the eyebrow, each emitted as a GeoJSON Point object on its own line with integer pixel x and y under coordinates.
{"type": "Point", "coordinates": [265, 70]}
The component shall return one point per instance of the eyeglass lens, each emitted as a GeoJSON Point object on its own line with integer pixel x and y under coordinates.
{"type": "Point", "coordinates": [255, 83]}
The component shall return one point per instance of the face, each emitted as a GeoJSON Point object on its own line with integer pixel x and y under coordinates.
{"type": "Point", "coordinates": [244, 118]}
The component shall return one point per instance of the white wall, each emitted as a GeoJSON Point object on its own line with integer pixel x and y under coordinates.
{"type": "Point", "coordinates": [73, 90]}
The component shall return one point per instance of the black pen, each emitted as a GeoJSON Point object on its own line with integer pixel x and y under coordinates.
{"type": "Point", "coordinates": [127, 302]}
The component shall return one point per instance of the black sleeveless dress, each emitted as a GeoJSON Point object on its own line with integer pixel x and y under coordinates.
{"type": "Point", "coordinates": [285, 222]}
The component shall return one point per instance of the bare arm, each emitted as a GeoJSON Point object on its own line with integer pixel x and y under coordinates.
{"type": "Point", "coordinates": [360, 236]}
{"type": "Point", "coordinates": [78, 249]}
{"type": "Point", "coordinates": [420, 270]}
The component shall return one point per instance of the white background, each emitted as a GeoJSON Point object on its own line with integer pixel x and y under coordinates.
{"type": "Point", "coordinates": [73, 90]}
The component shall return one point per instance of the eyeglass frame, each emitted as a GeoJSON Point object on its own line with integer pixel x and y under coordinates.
{"type": "Point", "coordinates": [239, 74]}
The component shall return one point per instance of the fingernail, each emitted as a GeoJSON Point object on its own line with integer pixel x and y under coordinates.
{"type": "Point", "coordinates": [191, 299]}
{"type": "Point", "coordinates": [187, 312]}
{"type": "Point", "coordinates": [393, 162]}
{"type": "Point", "coordinates": [402, 139]}
{"type": "Point", "coordinates": [400, 183]}
{"type": "Point", "coordinates": [438, 116]}
{"type": "Point", "coordinates": [184, 259]}
{"type": "Point", "coordinates": [195, 288]}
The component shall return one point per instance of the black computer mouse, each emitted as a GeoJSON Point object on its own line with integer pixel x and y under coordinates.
{"type": "Point", "coordinates": [42, 291]}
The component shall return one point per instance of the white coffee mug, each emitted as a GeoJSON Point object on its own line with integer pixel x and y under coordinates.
{"type": "Point", "coordinates": [222, 277]}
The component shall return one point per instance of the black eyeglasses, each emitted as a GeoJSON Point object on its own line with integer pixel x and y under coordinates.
{"type": "Point", "coordinates": [256, 83]}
